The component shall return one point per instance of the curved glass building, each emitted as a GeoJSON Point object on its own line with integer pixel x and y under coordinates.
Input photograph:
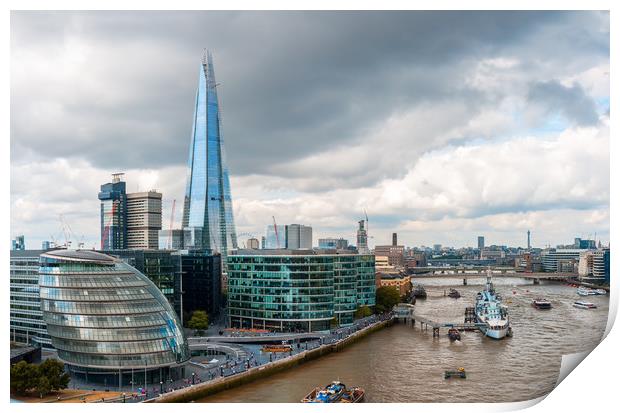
{"type": "Point", "coordinates": [104, 316]}
{"type": "Point", "coordinates": [297, 290]}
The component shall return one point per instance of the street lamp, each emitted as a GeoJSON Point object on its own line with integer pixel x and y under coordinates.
{"type": "Point", "coordinates": [161, 387]}
{"type": "Point", "coordinates": [193, 378]}
{"type": "Point", "coordinates": [123, 397]}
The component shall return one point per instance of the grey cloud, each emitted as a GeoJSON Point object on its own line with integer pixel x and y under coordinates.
{"type": "Point", "coordinates": [293, 83]}
{"type": "Point", "coordinates": [572, 102]}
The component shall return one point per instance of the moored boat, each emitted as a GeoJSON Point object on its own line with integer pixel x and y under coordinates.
{"type": "Point", "coordinates": [541, 304]}
{"type": "Point", "coordinates": [583, 304]}
{"type": "Point", "coordinates": [454, 293]}
{"type": "Point", "coordinates": [454, 334]}
{"type": "Point", "coordinates": [491, 313]}
{"type": "Point", "coordinates": [419, 292]}
{"type": "Point", "coordinates": [335, 392]}
{"type": "Point", "coordinates": [460, 373]}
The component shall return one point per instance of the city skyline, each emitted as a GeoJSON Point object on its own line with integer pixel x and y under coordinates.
{"type": "Point", "coordinates": [472, 147]}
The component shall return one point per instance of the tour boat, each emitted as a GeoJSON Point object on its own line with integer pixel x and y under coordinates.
{"type": "Point", "coordinates": [584, 305]}
{"type": "Point", "coordinates": [491, 313]}
{"type": "Point", "coordinates": [541, 304]}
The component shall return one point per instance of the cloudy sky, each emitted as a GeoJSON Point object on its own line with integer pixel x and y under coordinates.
{"type": "Point", "coordinates": [442, 125]}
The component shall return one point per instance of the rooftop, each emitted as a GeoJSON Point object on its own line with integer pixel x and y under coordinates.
{"type": "Point", "coordinates": [80, 255]}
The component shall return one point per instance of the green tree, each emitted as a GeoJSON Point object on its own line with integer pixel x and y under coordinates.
{"type": "Point", "coordinates": [199, 320]}
{"type": "Point", "coordinates": [24, 377]}
{"type": "Point", "coordinates": [386, 298]}
{"type": "Point", "coordinates": [363, 311]}
{"type": "Point", "coordinates": [333, 322]}
{"type": "Point", "coordinates": [43, 386]}
{"type": "Point", "coordinates": [54, 371]}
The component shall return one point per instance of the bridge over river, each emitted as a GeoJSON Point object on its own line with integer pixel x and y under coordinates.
{"type": "Point", "coordinates": [465, 274]}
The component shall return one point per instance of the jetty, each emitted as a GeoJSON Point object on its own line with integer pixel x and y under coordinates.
{"type": "Point", "coordinates": [406, 313]}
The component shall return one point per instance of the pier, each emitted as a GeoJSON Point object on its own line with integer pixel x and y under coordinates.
{"type": "Point", "coordinates": [406, 313]}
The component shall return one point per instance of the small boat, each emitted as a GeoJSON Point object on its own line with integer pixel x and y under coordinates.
{"type": "Point", "coordinates": [419, 292]}
{"type": "Point", "coordinates": [541, 304]}
{"type": "Point", "coordinates": [335, 392]}
{"type": "Point", "coordinates": [460, 373]}
{"type": "Point", "coordinates": [600, 291]}
{"type": "Point", "coordinates": [454, 294]}
{"type": "Point", "coordinates": [584, 305]}
{"type": "Point", "coordinates": [584, 291]}
{"type": "Point", "coordinates": [454, 334]}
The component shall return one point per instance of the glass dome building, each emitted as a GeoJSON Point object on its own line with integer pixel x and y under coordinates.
{"type": "Point", "coordinates": [106, 318]}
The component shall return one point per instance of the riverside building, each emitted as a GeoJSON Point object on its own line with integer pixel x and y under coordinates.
{"type": "Point", "coordinates": [298, 290]}
{"type": "Point", "coordinates": [108, 321]}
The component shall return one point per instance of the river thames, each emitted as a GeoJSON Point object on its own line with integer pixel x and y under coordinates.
{"type": "Point", "coordinates": [405, 364]}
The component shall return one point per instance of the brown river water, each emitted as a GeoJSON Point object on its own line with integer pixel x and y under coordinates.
{"type": "Point", "coordinates": [405, 364]}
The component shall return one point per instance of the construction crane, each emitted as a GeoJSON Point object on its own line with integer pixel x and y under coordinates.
{"type": "Point", "coordinates": [275, 228]}
{"type": "Point", "coordinates": [169, 245]}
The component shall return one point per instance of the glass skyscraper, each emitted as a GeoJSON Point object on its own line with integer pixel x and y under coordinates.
{"type": "Point", "coordinates": [207, 209]}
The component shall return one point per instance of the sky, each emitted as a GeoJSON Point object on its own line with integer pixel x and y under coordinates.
{"type": "Point", "coordinates": [443, 126]}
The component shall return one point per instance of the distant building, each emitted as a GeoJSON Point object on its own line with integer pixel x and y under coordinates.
{"type": "Point", "coordinates": [394, 239]}
{"type": "Point", "coordinates": [46, 245]}
{"type": "Point", "coordinates": [113, 197]}
{"type": "Point", "coordinates": [586, 263]}
{"type": "Point", "coordinates": [298, 237]}
{"type": "Point", "coordinates": [480, 243]}
{"type": "Point", "coordinates": [18, 244]}
{"type": "Point", "coordinates": [275, 237]}
{"type": "Point", "coordinates": [362, 239]}
{"type": "Point", "coordinates": [253, 244]}
{"type": "Point", "coordinates": [437, 247]}
{"type": "Point", "coordinates": [529, 245]}
{"type": "Point", "coordinates": [333, 243]}
{"type": "Point", "coordinates": [601, 265]}
{"type": "Point", "coordinates": [270, 289]}
{"type": "Point", "coordinates": [395, 254]}
{"type": "Point", "coordinates": [143, 220]}
{"type": "Point", "coordinates": [492, 254]}
{"type": "Point", "coordinates": [401, 282]}
{"type": "Point", "coordinates": [584, 244]}
{"type": "Point", "coordinates": [171, 239]}
{"type": "Point", "coordinates": [551, 256]}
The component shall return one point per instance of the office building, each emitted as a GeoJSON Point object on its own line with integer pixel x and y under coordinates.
{"type": "Point", "coordinates": [201, 278]}
{"type": "Point", "coordinates": [584, 244]}
{"type": "Point", "coordinates": [171, 239]}
{"type": "Point", "coordinates": [362, 239]}
{"type": "Point", "coordinates": [252, 244]}
{"type": "Point", "coordinates": [401, 282]}
{"type": "Point", "coordinates": [601, 265]}
{"type": "Point", "coordinates": [529, 245]}
{"type": "Point", "coordinates": [394, 239]}
{"type": "Point", "coordinates": [18, 244]}
{"type": "Point", "coordinates": [143, 220]}
{"type": "Point", "coordinates": [26, 319]}
{"type": "Point", "coordinates": [298, 237]}
{"type": "Point", "coordinates": [160, 267]}
{"type": "Point", "coordinates": [208, 202]}
{"type": "Point", "coordinates": [275, 237]}
{"type": "Point", "coordinates": [297, 290]}
{"type": "Point", "coordinates": [395, 254]}
{"type": "Point", "coordinates": [333, 243]}
{"type": "Point", "coordinates": [480, 243]}
{"type": "Point", "coordinates": [107, 320]}
{"type": "Point", "coordinates": [551, 256]}
{"type": "Point", "coordinates": [113, 197]}
{"type": "Point", "coordinates": [46, 245]}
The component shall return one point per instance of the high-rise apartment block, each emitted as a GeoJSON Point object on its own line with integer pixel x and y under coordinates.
{"type": "Point", "coordinates": [480, 242]}
{"type": "Point", "coordinates": [143, 220]}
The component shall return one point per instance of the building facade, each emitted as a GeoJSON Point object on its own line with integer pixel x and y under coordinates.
{"type": "Point", "coordinates": [26, 318]}
{"type": "Point", "coordinates": [18, 244]}
{"type": "Point", "coordinates": [106, 319]}
{"type": "Point", "coordinates": [201, 283]}
{"type": "Point", "coordinates": [298, 237]}
{"type": "Point", "coordinates": [480, 243]}
{"type": "Point", "coordinates": [171, 239]}
{"type": "Point", "coordinates": [208, 201]}
{"type": "Point", "coordinates": [113, 197]}
{"type": "Point", "coordinates": [362, 239]}
{"type": "Point", "coordinates": [395, 254]}
{"type": "Point", "coordinates": [550, 258]}
{"type": "Point", "coordinates": [143, 220]}
{"type": "Point", "coordinates": [333, 243]}
{"type": "Point", "coordinates": [297, 290]}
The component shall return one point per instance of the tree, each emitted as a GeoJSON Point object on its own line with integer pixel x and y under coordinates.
{"type": "Point", "coordinates": [386, 298]}
{"type": "Point", "coordinates": [363, 311]}
{"type": "Point", "coordinates": [333, 322]}
{"type": "Point", "coordinates": [24, 377]}
{"type": "Point", "coordinates": [199, 320]}
{"type": "Point", "coordinates": [54, 371]}
{"type": "Point", "coordinates": [43, 386]}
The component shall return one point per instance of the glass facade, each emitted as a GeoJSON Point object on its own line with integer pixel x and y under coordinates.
{"type": "Point", "coordinates": [113, 220]}
{"type": "Point", "coordinates": [297, 292]}
{"type": "Point", "coordinates": [208, 202]}
{"type": "Point", "coordinates": [103, 314]}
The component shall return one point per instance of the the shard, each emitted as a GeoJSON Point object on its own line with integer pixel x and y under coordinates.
{"type": "Point", "coordinates": [207, 210]}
